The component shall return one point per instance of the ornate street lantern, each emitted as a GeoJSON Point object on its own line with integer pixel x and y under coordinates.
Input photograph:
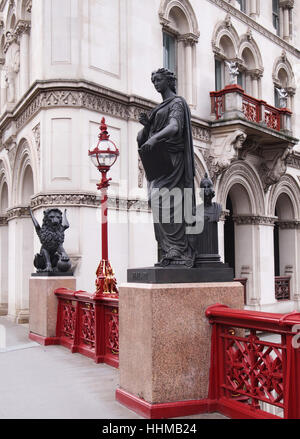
{"type": "Point", "coordinates": [103, 157]}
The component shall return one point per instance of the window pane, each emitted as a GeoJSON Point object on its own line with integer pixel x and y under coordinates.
{"type": "Point", "coordinates": [240, 80]}
{"type": "Point", "coordinates": [169, 43]}
{"type": "Point", "coordinates": [275, 15]}
{"type": "Point", "coordinates": [218, 75]}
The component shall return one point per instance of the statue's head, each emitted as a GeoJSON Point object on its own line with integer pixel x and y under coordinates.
{"type": "Point", "coordinates": [209, 193]}
{"type": "Point", "coordinates": [52, 218]}
{"type": "Point", "coordinates": [168, 75]}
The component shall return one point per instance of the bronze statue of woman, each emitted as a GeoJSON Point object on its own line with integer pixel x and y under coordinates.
{"type": "Point", "coordinates": [167, 136]}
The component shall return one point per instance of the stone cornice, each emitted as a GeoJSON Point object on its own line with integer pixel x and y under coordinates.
{"type": "Point", "coordinates": [254, 220]}
{"type": "Point", "coordinates": [87, 199]}
{"type": "Point", "coordinates": [18, 212]}
{"type": "Point", "coordinates": [256, 26]}
{"type": "Point", "coordinates": [84, 94]}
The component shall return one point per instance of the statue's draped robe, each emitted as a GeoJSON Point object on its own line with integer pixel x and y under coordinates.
{"type": "Point", "coordinates": [171, 235]}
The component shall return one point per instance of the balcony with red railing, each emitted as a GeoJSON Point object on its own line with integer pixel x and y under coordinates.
{"type": "Point", "coordinates": [232, 102]}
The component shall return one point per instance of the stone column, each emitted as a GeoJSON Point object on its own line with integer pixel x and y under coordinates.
{"type": "Point", "coordinates": [23, 29]}
{"type": "Point", "coordinates": [254, 235]}
{"type": "Point", "coordinates": [3, 265]}
{"type": "Point", "coordinates": [20, 263]}
{"type": "Point", "coordinates": [288, 253]}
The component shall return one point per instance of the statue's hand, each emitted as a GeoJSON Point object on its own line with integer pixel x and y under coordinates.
{"type": "Point", "coordinates": [147, 146]}
{"type": "Point", "coordinates": [143, 119]}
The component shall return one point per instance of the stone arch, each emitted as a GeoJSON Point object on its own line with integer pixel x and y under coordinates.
{"type": "Point", "coordinates": [282, 64]}
{"type": "Point", "coordinates": [288, 186]}
{"type": "Point", "coordinates": [242, 174]}
{"type": "Point", "coordinates": [180, 27]}
{"type": "Point", "coordinates": [225, 40]}
{"type": "Point", "coordinates": [249, 43]}
{"type": "Point", "coordinates": [187, 21]}
{"type": "Point", "coordinates": [24, 10]}
{"type": "Point", "coordinates": [11, 17]}
{"type": "Point", "coordinates": [23, 162]}
{"type": "Point", "coordinates": [200, 168]}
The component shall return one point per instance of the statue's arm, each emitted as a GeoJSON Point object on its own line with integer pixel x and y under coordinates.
{"type": "Point", "coordinates": [65, 222]}
{"type": "Point", "coordinates": [35, 222]}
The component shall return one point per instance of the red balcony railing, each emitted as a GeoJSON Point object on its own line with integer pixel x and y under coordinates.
{"type": "Point", "coordinates": [252, 109]}
{"type": "Point", "coordinates": [89, 325]}
{"type": "Point", "coordinates": [255, 363]}
{"type": "Point", "coordinates": [282, 287]}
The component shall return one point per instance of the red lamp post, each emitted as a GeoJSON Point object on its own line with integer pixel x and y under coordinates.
{"type": "Point", "coordinates": [103, 157]}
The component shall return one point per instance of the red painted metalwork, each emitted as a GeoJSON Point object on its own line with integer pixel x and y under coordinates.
{"type": "Point", "coordinates": [254, 110]}
{"type": "Point", "coordinates": [282, 287]}
{"type": "Point", "coordinates": [89, 324]}
{"type": "Point", "coordinates": [243, 363]}
{"type": "Point", "coordinates": [164, 410]}
{"type": "Point", "coordinates": [105, 150]}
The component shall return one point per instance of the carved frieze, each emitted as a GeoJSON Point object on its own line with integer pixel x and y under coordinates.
{"type": "Point", "coordinates": [254, 220]}
{"type": "Point", "coordinates": [77, 199]}
{"type": "Point", "coordinates": [18, 212]}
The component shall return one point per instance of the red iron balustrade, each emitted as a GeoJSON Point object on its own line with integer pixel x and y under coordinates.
{"type": "Point", "coordinates": [89, 324]}
{"type": "Point", "coordinates": [248, 370]}
{"type": "Point", "coordinates": [254, 110]}
{"type": "Point", "coordinates": [282, 287]}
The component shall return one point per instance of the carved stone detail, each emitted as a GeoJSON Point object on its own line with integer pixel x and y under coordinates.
{"type": "Point", "coordinates": [37, 136]}
{"type": "Point", "coordinates": [3, 220]}
{"type": "Point", "coordinates": [58, 199]}
{"type": "Point", "coordinates": [18, 212]}
{"type": "Point", "coordinates": [289, 224]}
{"type": "Point", "coordinates": [254, 220]}
{"type": "Point", "coordinates": [141, 173]}
{"type": "Point", "coordinates": [271, 171]}
{"type": "Point", "coordinates": [293, 160]}
{"type": "Point", "coordinates": [223, 152]}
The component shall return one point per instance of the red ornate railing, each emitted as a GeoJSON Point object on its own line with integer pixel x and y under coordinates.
{"type": "Point", "coordinates": [89, 325]}
{"type": "Point", "coordinates": [254, 110]}
{"type": "Point", "coordinates": [282, 287]}
{"type": "Point", "coordinates": [248, 370]}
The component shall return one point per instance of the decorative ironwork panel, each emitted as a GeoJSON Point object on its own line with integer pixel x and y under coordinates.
{"type": "Point", "coordinates": [251, 111]}
{"type": "Point", "coordinates": [68, 321]}
{"type": "Point", "coordinates": [282, 288]}
{"type": "Point", "coordinates": [254, 369]}
{"type": "Point", "coordinates": [112, 330]}
{"type": "Point", "coordinates": [87, 327]}
{"type": "Point", "coordinates": [272, 119]}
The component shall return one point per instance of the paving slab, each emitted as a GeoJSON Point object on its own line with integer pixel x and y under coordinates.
{"type": "Point", "coordinates": [40, 382]}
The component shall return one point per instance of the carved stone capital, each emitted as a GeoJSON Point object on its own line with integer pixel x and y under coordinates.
{"type": "Point", "coordinates": [18, 212]}
{"type": "Point", "coordinates": [286, 4]}
{"type": "Point", "coordinates": [21, 27]}
{"type": "Point", "coordinates": [243, 220]}
{"type": "Point", "coordinates": [289, 224]}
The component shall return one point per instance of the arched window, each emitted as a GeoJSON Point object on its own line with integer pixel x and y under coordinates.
{"type": "Point", "coordinates": [180, 34]}
{"type": "Point", "coordinates": [250, 66]}
{"type": "Point", "coordinates": [225, 47]}
{"type": "Point", "coordinates": [284, 80]}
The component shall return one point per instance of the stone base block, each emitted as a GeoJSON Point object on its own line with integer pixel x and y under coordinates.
{"type": "Point", "coordinates": [204, 272]}
{"type": "Point", "coordinates": [165, 338]}
{"type": "Point", "coordinates": [43, 303]}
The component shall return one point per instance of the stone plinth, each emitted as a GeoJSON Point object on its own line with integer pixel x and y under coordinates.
{"type": "Point", "coordinates": [165, 339]}
{"type": "Point", "coordinates": [43, 304]}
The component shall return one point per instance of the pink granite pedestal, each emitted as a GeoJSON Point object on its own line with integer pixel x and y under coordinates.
{"type": "Point", "coordinates": [165, 340]}
{"type": "Point", "coordinates": [43, 307]}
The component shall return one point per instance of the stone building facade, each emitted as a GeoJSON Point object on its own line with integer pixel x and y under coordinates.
{"type": "Point", "coordinates": [66, 63]}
